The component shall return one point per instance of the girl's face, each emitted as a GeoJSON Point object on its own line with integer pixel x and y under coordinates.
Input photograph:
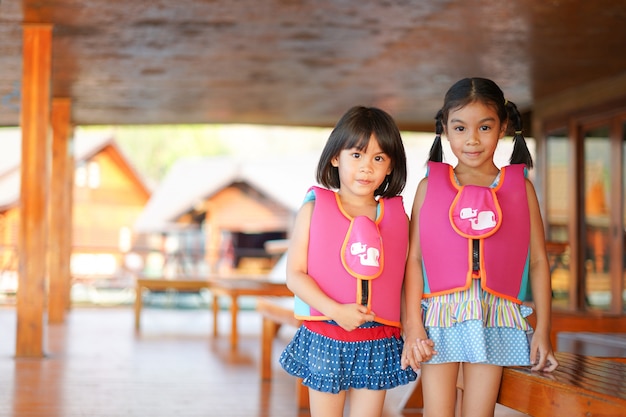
{"type": "Point", "coordinates": [473, 132]}
{"type": "Point", "coordinates": [361, 172]}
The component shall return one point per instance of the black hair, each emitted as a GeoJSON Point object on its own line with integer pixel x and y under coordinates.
{"type": "Point", "coordinates": [354, 130]}
{"type": "Point", "coordinates": [469, 90]}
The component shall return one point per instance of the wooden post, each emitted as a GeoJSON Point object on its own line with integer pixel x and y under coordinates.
{"type": "Point", "coordinates": [68, 204]}
{"type": "Point", "coordinates": [60, 211]}
{"type": "Point", "coordinates": [32, 239]}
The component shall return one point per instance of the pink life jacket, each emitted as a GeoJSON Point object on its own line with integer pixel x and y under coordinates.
{"type": "Point", "coordinates": [357, 260]}
{"type": "Point", "coordinates": [453, 215]}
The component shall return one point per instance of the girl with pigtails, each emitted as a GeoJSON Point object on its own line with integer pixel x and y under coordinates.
{"type": "Point", "coordinates": [476, 253]}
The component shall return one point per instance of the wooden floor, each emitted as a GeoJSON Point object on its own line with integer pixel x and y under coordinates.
{"type": "Point", "coordinates": [97, 366]}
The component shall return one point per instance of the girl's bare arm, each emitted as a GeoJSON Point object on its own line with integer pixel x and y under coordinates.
{"type": "Point", "coordinates": [417, 348]}
{"type": "Point", "coordinates": [541, 354]}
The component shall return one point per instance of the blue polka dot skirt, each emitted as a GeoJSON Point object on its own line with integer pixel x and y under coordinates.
{"type": "Point", "coordinates": [329, 365]}
{"type": "Point", "coordinates": [478, 327]}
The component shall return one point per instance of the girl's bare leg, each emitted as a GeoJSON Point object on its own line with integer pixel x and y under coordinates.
{"type": "Point", "coordinates": [439, 389]}
{"type": "Point", "coordinates": [481, 384]}
{"type": "Point", "coordinates": [366, 403]}
{"type": "Point", "coordinates": [325, 404]}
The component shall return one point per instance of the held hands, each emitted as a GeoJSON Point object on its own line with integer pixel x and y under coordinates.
{"type": "Point", "coordinates": [417, 349]}
{"type": "Point", "coordinates": [351, 316]}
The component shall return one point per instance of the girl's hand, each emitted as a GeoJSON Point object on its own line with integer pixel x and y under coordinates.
{"type": "Point", "coordinates": [351, 316]}
{"type": "Point", "coordinates": [417, 349]}
{"type": "Point", "coordinates": [541, 354]}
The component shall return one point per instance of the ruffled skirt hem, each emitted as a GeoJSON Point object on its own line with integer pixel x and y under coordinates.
{"type": "Point", "coordinates": [476, 326]}
{"type": "Point", "coordinates": [330, 365]}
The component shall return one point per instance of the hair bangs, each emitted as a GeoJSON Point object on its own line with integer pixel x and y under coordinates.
{"type": "Point", "coordinates": [358, 140]}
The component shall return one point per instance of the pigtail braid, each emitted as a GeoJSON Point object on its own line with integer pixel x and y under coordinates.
{"type": "Point", "coordinates": [521, 154]}
{"type": "Point", "coordinates": [436, 150]}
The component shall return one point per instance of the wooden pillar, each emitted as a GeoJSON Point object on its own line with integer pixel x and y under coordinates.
{"type": "Point", "coordinates": [60, 240]}
{"type": "Point", "coordinates": [32, 238]}
{"type": "Point", "coordinates": [68, 203]}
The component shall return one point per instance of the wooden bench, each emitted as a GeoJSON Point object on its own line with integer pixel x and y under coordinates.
{"type": "Point", "coordinates": [159, 284]}
{"type": "Point", "coordinates": [611, 345]}
{"type": "Point", "coordinates": [580, 386]}
{"type": "Point", "coordinates": [232, 288]}
{"type": "Point", "coordinates": [583, 322]}
{"type": "Point", "coordinates": [276, 312]}
{"type": "Point", "coordinates": [235, 288]}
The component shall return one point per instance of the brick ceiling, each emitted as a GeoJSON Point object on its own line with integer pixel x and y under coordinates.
{"type": "Point", "coordinates": [304, 62]}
